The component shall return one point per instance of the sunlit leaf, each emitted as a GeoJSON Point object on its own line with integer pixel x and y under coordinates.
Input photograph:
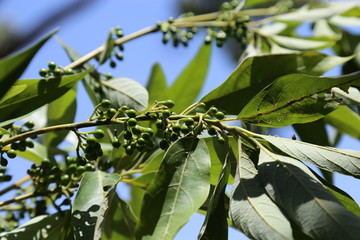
{"type": "Point", "coordinates": [345, 120]}
{"type": "Point", "coordinates": [305, 200]}
{"type": "Point", "coordinates": [13, 66]}
{"type": "Point", "coordinates": [255, 73]}
{"type": "Point", "coordinates": [92, 202]}
{"type": "Point", "coordinates": [177, 192]}
{"type": "Point", "coordinates": [295, 98]}
{"type": "Point", "coordinates": [156, 85]}
{"type": "Point", "coordinates": [37, 93]}
{"type": "Point", "coordinates": [300, 43]}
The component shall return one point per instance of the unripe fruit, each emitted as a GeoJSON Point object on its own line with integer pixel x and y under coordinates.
{"type": "Point", "coordinates": [72, 168]}
{"type": "Point", "coordinates": [185, 129]}
{"type": "Point", "coordinates": [52, 65]}
{"type": "Point", "coordinates": [80, 170]}
{"type": "Point", "coordinates": [176, 127]}
{"type": "Point", "coordinates": [145, 136]}
{"type": "Point", "coordinates": [113, 64]}
{"type": "Point", "coordinates": [137, 130]}
{"type": "Point", "coordinates": [98, 133]}
{"type": "Point", "coordinates": [149, 131]}
{"type": "Point", "coordinates": [89, 167]}
{"type": "Point", "coordinates": [58, 72]}
{"type": "Point", "coordinates": [221, 140]}
{"type": "Point", "coordinates": [65, 179]}
{"type": "Point", "coordinates": [163, 144]}
{"type": "Point", "coordinates": [188, 121]}
{"type": "Point", "coordinates": [213, 110]}
{"type": "Point", "coordinates": [68, 71]}
{"type": "Point", "coordinates": [29, 144]}
{"type": "Point", "coordinates": [91, 140]}
{"type": "Point", "coordinates": [140, 141]}
{"type": "Point", "coordinates": [131, 122]}
{"type": "Point", "coordinates": [159, 124]}
{"type": "Point", "coordinates": [168, 103]}
{"type": "Point", "coordinates": [105, 103]}
{"type": "Point", "coordinates": [11, 153]}
{"type": "Point", "coordinates": [111, 112]}
{"type": "Point", "coordinates": [220, 115]}
{"type": "Point", "coordinates": [131, 113]}
{"type": "Point", "coordinates": [211, 131]}
{"type": "Point", "coordinates": [116, 143]}
{"type": "Point", "coordinates": [43, 72]}
{"type": "Point", "coordinates": [129, 150]}
{"type": "Point", "coordinates": [45, 163]}
{"type": "Point", "coordinates": [3, 161]}
{"type": "Point", "coordinates": [127, 135]}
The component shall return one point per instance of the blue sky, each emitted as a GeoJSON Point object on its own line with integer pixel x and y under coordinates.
{"type": "Point", "coordinates": [88, 29]}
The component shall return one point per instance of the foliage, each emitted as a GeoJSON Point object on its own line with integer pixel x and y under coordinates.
{"type": "Point", "coordinates": [177, 156]}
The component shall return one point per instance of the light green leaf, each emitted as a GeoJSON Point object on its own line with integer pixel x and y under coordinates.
{"type": "Point", "coordinates": [15, 90]}
{"type": "Point", "coordinates": [345, 120]}
{"type": "Point", "coordinates": [120, 221]}
{"type": "Point", "coordinates": [351, 97]}
{"type": "Point", "coordinates": [156, 85]}
{"type": "Point", "coordinates": [37, 93]}
{"type": "Point", "coordinates": [215, 225]}
{"type": "Point", "coordinates": [191, 80]}
{"type": "Point", "coordinates": [4, 131]}
{"type": "Point", "coordinates": [60, 111]}
{"type": "Point", "coordinates": [49, 227]}
{"type": "Point", "coordinates": [251, 209]}
{"type": "Point", "coordinates": [92, 202]}
{"type": "Point", "coordinates": [125, 91]}
{"type": "Point", "coordinates": [308, 15]}
{"type": "Point", "coordinates": [255, 73]}
{"type": "Point", "coordinates": [331, 159]}
{"type": "Point", "coordinates": [300, 43]}
{"type": "Point", "coordinates": [109, 47]}
{"type": "Point", "coordinates": [178, 191]}
{"type": "Point", "coordinates": [295, 98]}
{"type": "Point", "coordinates": [345, 21]}
{"type": "Point", "coordinates": [12, 67]}
{"type": "Point", "coordinates": [305, 200]}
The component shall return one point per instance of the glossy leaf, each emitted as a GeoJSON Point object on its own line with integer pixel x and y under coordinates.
{"type": "Point", "coordinates": [251, 209]}
{"type": "Point", "coordinates": [343, 161]}
{"type": "Point", "coordinates": [295, 98]}
{"type": "Point", "coordinates": [156, 85]}
{"type": "Point", "coordinates": [300, 43]}
{"type": "Point", "coordinates": [215, 225]}
{"type": "Point", "coordinates": [49, 227]}
{"type": "Point", "coordinates": [38, 93]}
{"type": "Point", "coordinates": [345, 120]}
{"type": "Point", "coordinates": [305, 200]}
{"type": "Point", "coordinates": [352, 97]}
{"type": "Point", "coordinates": [125, 91]}
{"type": "Point", "coordinates": [13, 66]}
{"type": "Point", "coordinates": [120, 221]}
{"type": "Point", "coordinates": [177, 192]}
{"type": "Point", "coordinates": [92, 202]}
{"type": "Point", "coordinates": [191, 79]}
{"type": "Point", "coordinates": [255, 73]}
{"type": "Point", "coordinates": [60, 111]}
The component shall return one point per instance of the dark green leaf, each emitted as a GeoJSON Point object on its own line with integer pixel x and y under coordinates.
{"type": "Point", "coordinates": [343, 161]}
{"type": "Point", "coordinates": [295, 98]}
{"type": "Point", "coordinates": [191, 80]}
{"type": "Point", "coordinates": [215, 225]}
{"type": "Point", "coordinates": [108, 49]}
{"type": "Point", "coordinates": [305, 200]}
{"type": "Point", "coordinates": [156, 85]}
{"type": "Point", "coordinates": [37, 93]}
{"type": "Point", "coordinates": [12, 67]}
{"type": "Point", "coordinates": [180, 188]}
{"type": "Point", "coordinates": [60, 111]}
{"type": "Point", "coordinates": [255, 73]}
{"type": "Point", "coordinates": [120, 221]}
{"type": "Point", "coordinates": [48, 227]}
{"type": "Point", "coordinates": [92, 202]}
{"type": "Point", "coordinates": [345, 120]}
{"type": "Point", "coordinates": [251, 209]}
{"type": "Point", "coordinates": [125, 91]}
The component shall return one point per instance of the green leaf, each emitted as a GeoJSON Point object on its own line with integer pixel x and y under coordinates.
{"type": "Point", "coordinates": [4, 131]}
{"type": "Point", "coordinates": [343, 161]}
{"type": "Point", "coordinates": [89, 80]}
{"type": "Point", "coordinates": [178, 191]}
{"type": "Point", "coordinates": [215, 225]}
{"type": "Point", "coordinates": [108, 49]}
{"type": "Point", "coordinates": [351, 97]}
{"type": "Point", "coordinates": [345, 120]}
{"type": "Point", "coordinates": [60, 111]}
{"type": "Point", "coordinates": [255, 73]}
{"type": "Point", "coordinates": [12, 67]}
{"type": "Point", "coordinates": [49, 227]}
{"type": "Point", "coordinates": [120, 221]}
{"type": "Point", "coordinates": [191, 80]}
{"type": "Point", "coordinates": [37, 154]}
{"type": "Point", "coordinates": [295, 98]}
{"type": "Point", "coordinates": [92, 202]}
{"type": "Point", "coordinates": [156, 84]}
{"type": "Point", "coordinates": [37, 93]}
{"type": "Point", "coordinates": [305, 200]}
{"type": "Point", "coordinates": [251, 209]}
{"type": "Point", "coordinates": [125, 91]}
{"type": "Point", "coordinates": [300, 43]}
{"type": "Point", "coordinates": [345, 21]}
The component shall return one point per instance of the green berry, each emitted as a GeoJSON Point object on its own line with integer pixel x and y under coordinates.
{"type": "Point", "coordinates": [98, 133]}
{"type": "Point", "coordinates": [163, 144]}
{"type": "Point", "coordinates": [3, 161]}
{"type": "Point", "coordinates": [211, 131]}
{"type": "Point", "coordinates": [131, 113]}
{"type": "Point", "coordinates": [111, 112]}
{"type": "Point", "coordinates": [58, 72]}
{"type": "Point", "coordinates": [68, 71]}
{"type": "Point", "coordinates": [29, 124]}
{"type": "Point", "coordinates": [116, 143]}
{"type": "Point", "coordinates": [166, 113]}
{"type": "Point", "coordinates": [141, 141]}
{"type": "Point", "coordinates": [119, 56]}
{"type": "Point", "coordinates": [220, 115]}
{"type": "Point", "coordinates": [43, 72]}
{"type": "Point", "coordinates": [89, 167]}
{"type": "Point", "coordinates": [7, 178]}
{"type": "Point", "coordinates": [119, 33]}
{"type": "Point", "coordinates": [22, 145]}
{"type": "Point", "coordinates": [221, 140]}
{"type": "Point", "coordinates": [52, 65]}
{"type": "Point", "coordinates": [188, 121]}
{"type": "Point", "coordinates": [137, 130]}
{"type": "Point", "coordinates": [112, 64]}
{"type": "Point", "coordinates": [80, 170]}
{"type": "Point", "coordinates": [14, 146]}
{"type": "Point", "coordinates": [176, 127]}
{"type": "Point", "coordinates": [168, 103]}
{"type": "Point", "coordinates": [105, 103]}
{"type": "Point", "coordinates": [207, 39]}
{"type": "Point", "coordinates": [65, 179]}
{"type": "Point", "coordinates": [127, 135]}
{"type": "Point", "coordinates": [11, 153]}
{"type": "Point", "coordinates": [170, 20]}
{"type": "Point", "coordinates": [45, 163]}
{"type": "Point", "coordinates": [29, 144]}
{"type": "Point", "coordinates": [145, 136]}
{"type": "Point", "coordinates": [149, 131]}
{"type": "Point", "coordinates": [72, 168]}
{"type": "Point", "coordinates": [159, 124]}
{"type": "Point", "coordinates": [131, 122]}
{"type": "Point", "coordinates": [174, 136]}
{"type": "Point", "coordinates": [129, 150]}
{"type": "Point", "coordinates": [185, 129]}
{"type": "Point", "coordinates": [91, 140]}
{"type": "Point", "coordinates": [213, 110]}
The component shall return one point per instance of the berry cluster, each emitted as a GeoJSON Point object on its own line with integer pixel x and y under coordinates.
{"type": "Point", "coordinates": [176, 34]}
{"type": "Point", "coordinates": [54, 71]}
